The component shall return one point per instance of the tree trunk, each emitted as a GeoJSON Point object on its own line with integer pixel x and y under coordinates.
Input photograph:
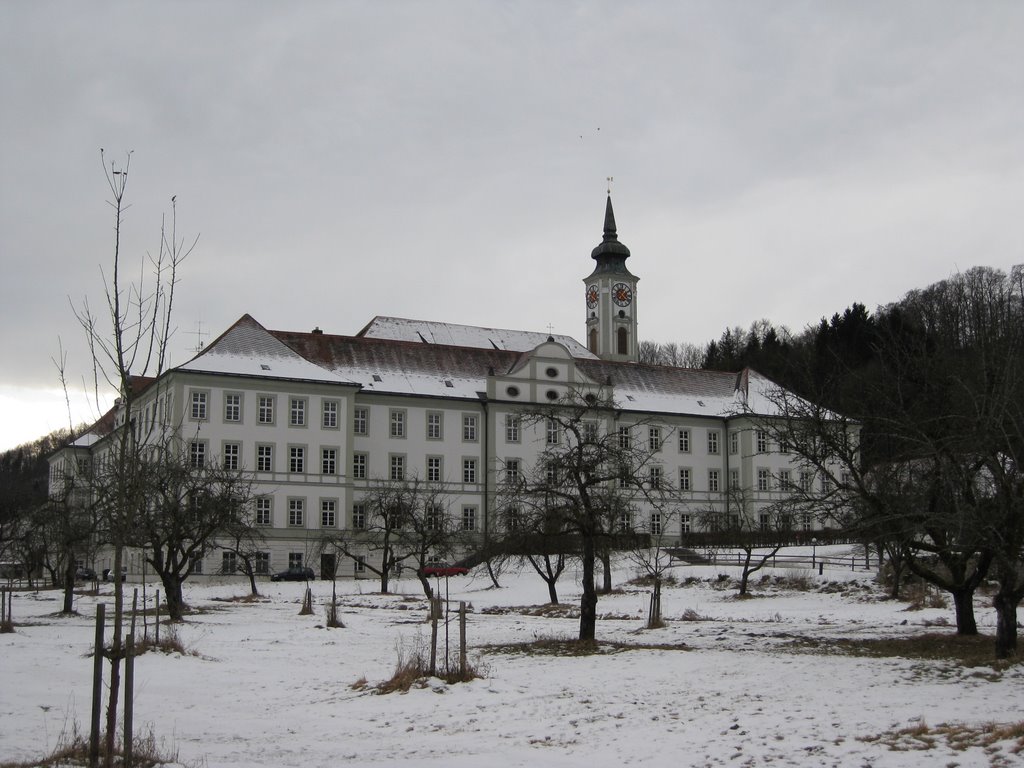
{"type": "Point", "coordinates": [963, 601]}
{"type": "Point", "coordinates": [425, 583]}
{"type": "Point", "coordinates": [588, 600]}
{"type": "Point", "coordinates": [492, 574]}
{"type": "Point", "coordinates": [1006, 624]}
{"type": "Point", "coordinates": [606, 572]}
{"type": "Point", "coordinates": [69, 587]}
{"type": "Point", "coordinates": [252, 580]}
{"type": "Point", "coordinates": [746, 573]}
{"type": "Point", "coordinates": [552, 591]}
{"type": "Point", "coordinates": [173, 596]}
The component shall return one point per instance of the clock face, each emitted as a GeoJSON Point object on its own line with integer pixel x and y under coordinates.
{"type": "Point", "coordinates": [592, 296]}
{"type": "Point", "coordinates": [621, 294]}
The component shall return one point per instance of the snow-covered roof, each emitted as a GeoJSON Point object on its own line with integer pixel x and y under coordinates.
{"type": "Point", "coordinates": [433, 369]}
{"type": "Point", "coordinates": [452, 334]}
{"type": "Point", "coordinates": [248, 349]}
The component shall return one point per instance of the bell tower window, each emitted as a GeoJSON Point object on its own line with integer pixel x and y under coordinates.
{"type": "Point", "coordinates": [622, 339]}
{"type": "Point", "coordinates": [592, 341]}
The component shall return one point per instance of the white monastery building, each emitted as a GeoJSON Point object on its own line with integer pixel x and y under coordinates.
{"type": "Point", "coordinates": [317, 419]}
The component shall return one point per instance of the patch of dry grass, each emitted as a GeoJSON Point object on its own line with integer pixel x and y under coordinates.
{"type": "Point", "coordinates": [73, 750]}
{"type": "Point", "coordinates": [560, 646]}
{"type": "Point", "coordinates": [1003, 742]}
{"type": "Point", "coordinates": [967, 650]}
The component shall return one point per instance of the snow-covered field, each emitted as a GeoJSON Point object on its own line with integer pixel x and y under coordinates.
{"type": "Point", "coordinates": [752, 682]}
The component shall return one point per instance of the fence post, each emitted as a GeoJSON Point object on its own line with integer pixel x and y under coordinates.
{"type": "Point", "coordinates": [433, 637]}
{"type": "Point", "coordinates": [129, 698]}
{"type": "Point", "coordinates": [462, 640]}
{"type": "Point", "coordinates": [97, 689]}
{"type": "Point", "coordinates": [156, 619]}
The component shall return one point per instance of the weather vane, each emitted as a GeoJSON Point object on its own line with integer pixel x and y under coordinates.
{"type": "Point", "coordinates": [610, 180]}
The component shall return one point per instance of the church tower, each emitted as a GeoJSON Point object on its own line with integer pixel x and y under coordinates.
{"type": "Point", "coordinates": [611, 298]}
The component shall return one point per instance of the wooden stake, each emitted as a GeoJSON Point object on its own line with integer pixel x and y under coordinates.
{"type": "Point", "coordinates": [97, 689]}
{"type": "Point", "coordinates": [129, 698]}
{"type": "Point", "coordinates": [462, 639]}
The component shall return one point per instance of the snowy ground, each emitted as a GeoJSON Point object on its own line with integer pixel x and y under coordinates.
{"type": "Point", "coordinates": [753, 683]}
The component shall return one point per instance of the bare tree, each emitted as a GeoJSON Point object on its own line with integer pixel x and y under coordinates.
{"type": "Point", "coordinates": [407, 523]}
{"type": "Point", "coordinates": [758, 533]}
{"type": "Point", "coordinates": [188, 504]}
{"type": "Point", "coordinates": [586, 467]}
{"type": "Point", "coordinates": [128, 339]}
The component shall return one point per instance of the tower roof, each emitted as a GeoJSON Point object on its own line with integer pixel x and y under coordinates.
{"type": "Point", "coordinates": [610, 254]}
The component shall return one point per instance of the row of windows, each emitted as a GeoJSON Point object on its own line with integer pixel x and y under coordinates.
{"type": "Point", "coordinates": [512, 468]}
{"type": "Point", "coordinates": [296, 518]}
{"type": "Point", "coordinates": [266, 409]}
{"type": "Point", "coordinates": [398, 417]}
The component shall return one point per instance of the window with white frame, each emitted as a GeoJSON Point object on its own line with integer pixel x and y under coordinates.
{"type": "Point", "coordinates": [713, 442]}
{"type": "Point", "coordinates": [433, 469]}
{"type": "Point", "coordinates": [825, 483]}
{"type": "Point", "coordinates": [328, 461]}
{"type": "Point", "coordinates": [265, 412]}
{"type": "Point", "coordinates": [684, 441]}
{"type": "Point", "coordinates": [434, 425]}
{"type": "Point", "coordinates": [685, 523]}
{"type": "Point", "coordinates": [297, 412]}
{"type": "Point", "coordinates": [714, 481]}
{"type": "Point", "coordinates": [655, 523]}
{"type": "Point", "coordinates": [765, 521]}
{"type": "Point", "coordinates": [846, 478]}
{"type": "Point", "coordinates": [762, 441]}
{"type": "Point", "coordinates": [263, 510]}
{"type": "Point", "coordinates": [296, 459]}
{"type": "Point", "coordinates": [806, 481]}
{"type": "Point", "coordinates": [264, 458]}
{"type": "Point", "coordinates": [434, 517]}
{"type": "Point", "coordinates": [359, 466]}
{"type": "Point", "coordinates": [469, 518]}
{"type": "Point", "coordinates": [625, 437]}
{"type": "Point", "coordinates": [232, 459]}
{"type": "Point", "coordinates": [785, 480]}
{"type": "Point", "coordinates": [805, 521]}
{"type": "Point", "coordinates": [229, 562]}
{"type": "Point", "coordinates": [763, 479]}
{"type": "Point", "coordinates": [551, 432]}
{"type": "Point", "coordinates": [783, 447]}
{"type": "Point", "coordinates": [590, 433]}
{"type": "Point", "coordinates": [397, 423]}
{"type": "Point", "coordinates": [359, 564]}
{"type": "Point", "coordinates": [197, 454]}
{"type": "Point", "coordinates": [232, 407]}
{"type": "Point", "coordinates": [734, 442]}
{"type": "Point", "coordinates": [195, 563]}
{"type": "Point", "coordinates": [469, 470]}
{"type": "Point", "coordinates": [625, 521]}
{"type": "Point", "coordinates": [685, 479]}
{"type": "Point", "coordinates": [294, 559]}
{"type": "Point", "coordinates": [328, 513]}
{"type": "Point", "coordinates": [199, 405]}
{"type": "Point", "coordinates": [360, 421]}
{"type": "Point", "coordinates": [734, 479]}
{"type": "Point", "coordinates": [296, 512]}
{"type": "Point", "coordinates": [513, 518]}
{"type": "Point", "coordinates": [468, 428]}
{"type": "Point", "coordinates": [359, 516]}
{"type": "Point", "coordinates": [551, 473]}
{"type": "Point", "coordinates": [329, 414]}
{"type": "Point", "coordinates": [654, 439]}
{"type": "Point", "coordinates": [511, 471]}
{"type": "Point", "coordinates": [655, 477]}
{"type": "Point", "coordinates": [397, 468]}
{"type": "Point", "coordinates": [261, 563]}
{"type": "Point", "coordinates": [511, 428]}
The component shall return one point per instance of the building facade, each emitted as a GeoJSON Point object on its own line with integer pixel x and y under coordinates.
{"type": "Point", "coordinates": [319, 420]}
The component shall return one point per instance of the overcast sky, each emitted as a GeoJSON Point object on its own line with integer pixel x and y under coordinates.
{"type": "Point", "coordinates": [447, 161]}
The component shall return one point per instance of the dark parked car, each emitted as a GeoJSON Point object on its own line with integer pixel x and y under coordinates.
{"type": "Point", "coordinates": [294, 574]}
{"type": "Point", "coordinates": [84, 573]}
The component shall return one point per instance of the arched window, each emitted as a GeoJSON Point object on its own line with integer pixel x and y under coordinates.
{"type": "Point", "coordinates": [623, 341]}
{"type": "Point", "coordinates": [592, 341]}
